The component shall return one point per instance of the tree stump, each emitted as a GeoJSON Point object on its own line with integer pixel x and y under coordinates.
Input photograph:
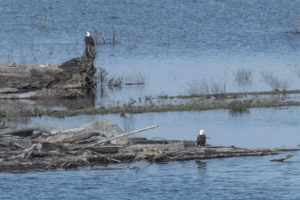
{"type": "Point", "coordinates": [71, 79]}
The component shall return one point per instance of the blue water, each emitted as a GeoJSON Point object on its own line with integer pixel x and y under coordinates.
{"type": "Point", "coordinates": [264, 127]}
{"type": "Point", "coordinates": [232, 178]}
{"type": "Point", "coordinates": [170, 44]}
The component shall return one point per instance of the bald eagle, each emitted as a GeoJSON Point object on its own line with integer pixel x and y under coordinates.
{"type": "Point", "coordinates": [89, 40]}
{"type": "Point", "coordinates": [89, 47]}
{"type": "Point", "coordinates": [201, 139]}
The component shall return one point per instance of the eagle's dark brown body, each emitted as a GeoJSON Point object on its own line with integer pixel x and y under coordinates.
{"type": "Point", "coordinates": [201, 140]}
{"type": "Point", "coordinates": [89, 40]}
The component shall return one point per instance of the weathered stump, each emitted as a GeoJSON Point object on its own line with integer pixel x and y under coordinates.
{"type": "Point", "coordinates": [71, 79]}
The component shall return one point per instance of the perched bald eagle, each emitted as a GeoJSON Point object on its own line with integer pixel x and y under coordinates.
{"type": "Point", "coordinates": [89, 40]}
{"type": "Point", "coordinates": [201, 139]}
{"type": "Point", "coordinates": [89, 47]}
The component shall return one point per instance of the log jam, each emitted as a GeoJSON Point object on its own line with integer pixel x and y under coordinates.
{"type": "Point", "coordinates": [38, 148]}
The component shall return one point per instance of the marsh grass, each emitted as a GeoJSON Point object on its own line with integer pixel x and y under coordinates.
{"type": "Point", "coordinates": [148, 105]}
{"type": "Point", "coordinates": [101, 39]}
{"type": "Point", "coordinates": [239, 105]}
{"type": "Point", "coordinates": [274, 82]}
{"type": "Point", "coordinates": [115, 82]}
{"type": "Point", "coordinates": [204, 89]}
{"type": "Point", "coordinates": [119, 81]}
{"type": "Point", "coordinates": [135, 79]}
{"type": "Point", "coordinates": [218, 91]}
{"type": "Point", "coordinates": [103, 76]}
{"type": "Point", "coordinates": [196, 88]}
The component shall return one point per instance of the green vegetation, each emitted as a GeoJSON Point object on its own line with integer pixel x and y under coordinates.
{"type": "Point", "coordinates": [235, 102]}
{"type": "Point", "coordinates": [234, 105]}
{"type": "Point", "coordinates": [239, 106]}
{"type": "Point", "coordinates": [237, 94]}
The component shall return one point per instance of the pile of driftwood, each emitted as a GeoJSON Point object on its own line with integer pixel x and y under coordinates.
{"type": "Point", "coordinates": [38, 147]}
{"type": "Point", "coordinates": [71, 79]}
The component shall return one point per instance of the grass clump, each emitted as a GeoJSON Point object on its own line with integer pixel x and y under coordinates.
{"type": "Point", "coordinates": [115, 82]}
{"type": "Point", "coordinates": [218, 91]}
{"type": "Point", "coordinates": [198, 89]}
{"type": "Point", "coordinates": [101, 39]}
{"type": "Point", "coordinates": [135, 79]}
{"type": "Point", "coordinates": [103, 76]}
{"type": "Point", "coordinates": [274, 82]}
{"type": "Point", "coordinates": [239, 106]}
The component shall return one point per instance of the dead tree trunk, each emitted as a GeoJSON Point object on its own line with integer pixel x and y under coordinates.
{"type": "Point", "coordinates": [73, 78]}
{"type": "Point", "coordinates": [98, 127]}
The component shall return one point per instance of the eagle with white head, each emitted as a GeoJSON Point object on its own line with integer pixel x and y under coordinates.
{"type": "Point", "coordinates": [201, 139]}
{"type": "Point", "coordinates": [89, 40]}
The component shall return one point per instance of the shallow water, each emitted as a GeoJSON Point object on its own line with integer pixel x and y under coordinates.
{"type": "Point", "coordinates": [231, 178]}
{"type": "Point", "coordinates": [170, 44]}
{"type": "Point", "coordinates": [264, 127]}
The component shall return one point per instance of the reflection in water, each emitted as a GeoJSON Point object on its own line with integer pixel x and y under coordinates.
{"type": "Point", "coordinates": [201, 164]}
{"type": "Point", "coordinates": [237, 114]}
{"type": "Point", "coordinates": [244, 77]}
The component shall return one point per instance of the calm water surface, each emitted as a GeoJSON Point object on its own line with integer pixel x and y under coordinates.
{"type": "Point", "coordinates": [169, 44]}
{"type": "Point", "coordinates": [265, 127]}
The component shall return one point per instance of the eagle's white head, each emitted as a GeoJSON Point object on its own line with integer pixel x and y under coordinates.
{"type": "Point", "coordinates": [201, 132]}
{"type": "Point", "coordinates": [88, 34]}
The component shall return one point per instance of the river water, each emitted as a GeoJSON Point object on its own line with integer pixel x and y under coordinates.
{"type": "Point", "coordinates": [229, 178]}
{"type": "Point", "coordinates": [170, 45]}
{"type": "Point", "coordinates": [264, 127]}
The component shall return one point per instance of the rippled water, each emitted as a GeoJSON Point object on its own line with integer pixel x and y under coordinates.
{"type": "Point", "coordinates": [169, 44]}
{"type": "Point", "coordinates": [232, 178]}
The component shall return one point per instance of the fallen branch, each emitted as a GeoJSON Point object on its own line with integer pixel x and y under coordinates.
{"type": "Point", "coordinates": [103, 141]}
{"type": "Point", "coordinates": [106, 140]}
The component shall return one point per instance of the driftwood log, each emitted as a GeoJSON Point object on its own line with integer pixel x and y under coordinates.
{"type": "Point", "coordinates": [71, 79]}
{"type": "Point", "coordinates": [38, 147]}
